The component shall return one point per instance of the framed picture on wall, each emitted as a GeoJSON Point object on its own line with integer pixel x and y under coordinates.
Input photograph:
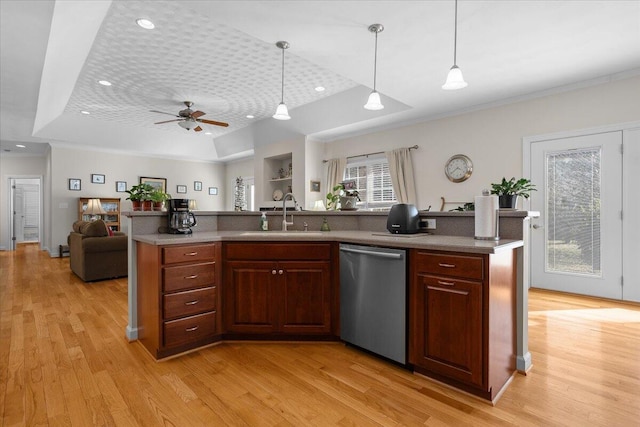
{"type": "Point", "coordinates": [197, 185]}
{"type": "Point", "coordinates": [213, 191]}
{"type": "Point", "coordinates": [75, 184]}
{"type": "Point", "coordinates": [158, 183]}
{"type": "Point", "coordinates": [314, 186]}
{"type": "Point", "coordinates": [97, 178]}
{"type": "Point", "coordinates": [181, 189]}
{"type": "Point", "coordinates": [121, 186]}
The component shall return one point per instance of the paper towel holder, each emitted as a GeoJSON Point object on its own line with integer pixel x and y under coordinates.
{"type": "Point", "coordinates": [496, 237]}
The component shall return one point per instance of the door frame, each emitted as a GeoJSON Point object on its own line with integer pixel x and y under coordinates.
{"type": "Point", "coordinates": [628, 204]}
{"type": "Point", "coordinates": [10, 222]}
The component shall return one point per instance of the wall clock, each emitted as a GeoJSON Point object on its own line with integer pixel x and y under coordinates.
{"type": "Point", "coordinates": [458, 168]}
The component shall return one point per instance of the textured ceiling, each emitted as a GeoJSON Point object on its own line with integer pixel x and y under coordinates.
{"type": "Point", "coordinates": [222, 56]}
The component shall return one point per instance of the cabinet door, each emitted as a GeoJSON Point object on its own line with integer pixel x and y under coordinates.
{"type": "Point", "coordinates": [305, 289]}
{"type": "Point", "coordinates": [447, 335]}
{"type": "Point", "coordinates": [250, 303]}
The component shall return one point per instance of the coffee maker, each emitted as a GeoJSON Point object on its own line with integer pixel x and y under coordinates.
{"type": "Point", "coordinates": [180, 219]}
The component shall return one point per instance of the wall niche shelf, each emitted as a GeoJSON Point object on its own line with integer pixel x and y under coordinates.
{"type": "Point", "coordinates": [274, 168]}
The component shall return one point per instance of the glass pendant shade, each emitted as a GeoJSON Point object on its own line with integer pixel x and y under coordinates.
{"type": "Point", "coordinates": [454, 79]}
{"type": "Point", "coordinates": [374, 103]}
{"type": "Point", "coordinates": [282, 113]}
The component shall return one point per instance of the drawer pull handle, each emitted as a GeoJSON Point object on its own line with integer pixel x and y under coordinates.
{"type": "Point", "coordinates": [273, 272]}
{"type": "Point", "coordinates": [280, 271]}
{"type": "Point", "coordinates": [442, 264]}
{"type": "Point", "coordinates": [195, 328]}
{"type": "Point", "coordinates": [194, 302]}
{"type": "Point", "coordinates": [191, 254]}
{"type": "Point", "coordinates": [193, 276]}
{"type": "Point", "coordinates": [440, 282]}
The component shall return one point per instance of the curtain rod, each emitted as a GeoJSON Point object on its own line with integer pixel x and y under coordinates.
{"type": "Point", "coordinates": [414, 147]}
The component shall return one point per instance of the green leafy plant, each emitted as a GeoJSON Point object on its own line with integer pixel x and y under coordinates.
{"type": "Point", "coordinates": [339, 191]}
{"type": "Point", "coordinates": [158, 196]}
{"type": "Point", "coordinates": [140, 192]}
{"type": "Point", "coordinates": [521, 187]}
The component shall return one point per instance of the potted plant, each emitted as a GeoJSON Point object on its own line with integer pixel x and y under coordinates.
{"type": "Point", "coordinates": [138, 194]}
{"type": "Point", "coordinates": [508, 191]}
{"type": "Point", "coordinates": [345, 194]}
{"type": "Point", "coordinates": [158, 197]}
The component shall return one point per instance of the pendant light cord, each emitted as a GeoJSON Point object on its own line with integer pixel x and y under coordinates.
{"type": "Point", "coordinates": [282, 87]}
{"type": "Point", "coordinates": [455, 35]}
{"type": "Point", "coordinates": [375, 62]}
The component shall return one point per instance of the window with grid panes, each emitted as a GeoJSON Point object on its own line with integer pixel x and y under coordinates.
{"type": "Point", "coordinates": [373, 183]}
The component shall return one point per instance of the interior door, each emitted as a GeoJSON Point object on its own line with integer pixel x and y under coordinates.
{"type": "Point", "coordinates": [576, 243]}
{"type": "Point", "coordinates": [18, 214]}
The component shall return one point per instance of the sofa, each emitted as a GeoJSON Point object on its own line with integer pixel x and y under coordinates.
{"type": "Point", "coordinates": [96, 252]}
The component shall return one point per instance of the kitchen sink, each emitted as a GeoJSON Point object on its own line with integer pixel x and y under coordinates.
{"type": "Point", "coordinates": [281, 233]}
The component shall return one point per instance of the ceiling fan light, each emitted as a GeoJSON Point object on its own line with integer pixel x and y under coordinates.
{"type": "Point", "coordinates": [282, 113]}
{"type": "Point", "coordinates": [374, 103]}
{"type": "Point", "coordinates": [188, 124]}
{"type": "Point", "coordinates": [454, 79]}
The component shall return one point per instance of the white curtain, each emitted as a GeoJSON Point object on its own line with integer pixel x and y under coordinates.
{"type": "Point", "coordinates": [335, 172]}
{"type": "Point", "coordinates": [401, 171]}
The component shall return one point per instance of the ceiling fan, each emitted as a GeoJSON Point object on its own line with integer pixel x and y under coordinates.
{"type": "Point", "coordinates": [189, 119]}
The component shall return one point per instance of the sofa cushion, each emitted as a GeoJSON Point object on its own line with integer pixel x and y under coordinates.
{"type": "Point", "coordinates": [77, 226]}
{"type": "Point", "coordinates": [95, 228]}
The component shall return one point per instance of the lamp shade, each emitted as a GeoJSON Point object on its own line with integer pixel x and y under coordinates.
{"type": "Point", "coordinates": [318, 205]}
{"type": "Point", "coordinates": [94, 207]}
{"type": "Point", "coordinates": [282, 113]}
{"type": "Point", "coordinates": [188, 124]}
{"type": "Point", "coordinates": [193, 205]}
{"type": "Point", "coordinates": [374, 103]}
{"type": "Point", "coordinates": [454, 79]}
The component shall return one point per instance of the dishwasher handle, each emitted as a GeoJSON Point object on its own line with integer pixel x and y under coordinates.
{"type": "Point", "coordinates": [373, 253]}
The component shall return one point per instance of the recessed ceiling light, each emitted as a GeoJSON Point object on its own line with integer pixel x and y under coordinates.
{"type": "Point", "coordinates": [104, 82]}
{"type": "Point", "coordinates": [250, 116]}
{"type": "Point", "coordinates": [85, 112]}
{"type": "Point", "coordinates": [145, 23]}
{"type": "Point", "coordinates": [319, 89]}
{"type": "Point", "coordinates": [207, 133]}
{"type": "Point", "coordinates": [21, 146]}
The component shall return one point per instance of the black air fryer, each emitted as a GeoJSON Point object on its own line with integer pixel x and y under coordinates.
{"type": "Point", "coordinates": [403, 219]}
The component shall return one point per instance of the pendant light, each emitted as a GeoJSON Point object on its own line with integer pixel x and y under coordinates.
{"type": "Point", "coordinates": [373, 103]}
{"type": "Point", "coordinates": [454, 78]}
{"type": "Point", "coordinates": [282, 113]}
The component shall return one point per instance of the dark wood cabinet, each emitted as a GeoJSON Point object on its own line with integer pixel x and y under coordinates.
{"type": "Point", "coordinates": [462, 327]}
{"type": "Point", "coordinates": [288, 294]}
{"type": "Point", "coordinates": [178, 297]}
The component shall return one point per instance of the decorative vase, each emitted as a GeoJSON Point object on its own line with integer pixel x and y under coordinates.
{"type": "Point", "coordinates": [507, 201]}
{"type": "Point", "coordinates": [136, 205]}
{"type": "Point", "coordinates": [348, 203]}
{"type": "Point", "coordinates": [147, 205]}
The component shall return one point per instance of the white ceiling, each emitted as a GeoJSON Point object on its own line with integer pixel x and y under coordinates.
{"type": "Point", "coordinates": [222, 56]}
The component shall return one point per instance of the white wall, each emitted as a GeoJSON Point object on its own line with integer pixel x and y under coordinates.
{"type": "Point", "coordinates": [13, 166]}
{"type": "Point", "coordinates": [492, 138]}
{"type": "Point", "coordinates": [73, 163]}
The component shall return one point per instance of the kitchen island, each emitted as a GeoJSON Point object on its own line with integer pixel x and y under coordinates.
{"type": "Point", "coordinates": [485, 299]}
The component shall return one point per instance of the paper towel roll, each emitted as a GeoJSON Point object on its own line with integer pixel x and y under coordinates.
{"type": "Point", "coordinates": [486, 217]}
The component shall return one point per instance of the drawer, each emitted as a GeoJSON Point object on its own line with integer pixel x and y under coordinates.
{"type": "Point", "coordinates": [278, 251]}
{"type": "Point", "coordinates": [467, 266]}
{"type": "Point", "coordinates": [189, 329]}
{"type": "Point", "coordinates": [189, 253]}
{"type": "Point", "coordinates": [188, 303]}
{"type": "Point", "coordinates": [190, 276]}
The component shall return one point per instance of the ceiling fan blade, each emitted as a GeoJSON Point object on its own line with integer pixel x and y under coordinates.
{"type": "Point", "coordinates": [198, 129]}
{"type": "Point", "coordinates": [168, 121]}
{"type": "Point", "coordinates": [211, 122]}
{"type": "Point", "coordinates": [162, 112]}
{"type": "Point", "coordinates": [197, 114]}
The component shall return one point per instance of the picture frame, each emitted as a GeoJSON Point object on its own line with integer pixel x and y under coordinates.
{"type": "Point", "coordinates": [157, 183]}
{"type": "Point", "coordinates": [314, 186]}
{"type": "Point", "coordinates": [213, 191]}
{"type": "Point", "coordinates": [75, 184]}
{"type": "Point", "coordinates": [197, 185]}
{"type": "Point", "coordinates": [97, 178]}
{"type": "Point", "coordinates": [121, 186]}
{"type": "Point", "coordinates": [181, 189]}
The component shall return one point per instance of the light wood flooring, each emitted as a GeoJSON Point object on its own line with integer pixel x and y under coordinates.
{"type": "Point", "coordinates": [64, 360]}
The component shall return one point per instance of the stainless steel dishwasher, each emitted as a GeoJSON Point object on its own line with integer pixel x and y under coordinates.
{"type": "Point", "coordinates": [373, 296]}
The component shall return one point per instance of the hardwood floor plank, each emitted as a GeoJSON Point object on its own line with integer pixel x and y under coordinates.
{"type": "Point", "coordinates": [64, 361]}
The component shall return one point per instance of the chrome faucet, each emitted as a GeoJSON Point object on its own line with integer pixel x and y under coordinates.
{"type": "Point", "coordinates": [284, 210]}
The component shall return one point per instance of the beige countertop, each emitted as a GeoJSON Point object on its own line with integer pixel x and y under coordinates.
{"type": "Point", "coordinates": [413, 241]}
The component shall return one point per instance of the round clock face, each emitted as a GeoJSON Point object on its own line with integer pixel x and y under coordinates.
{"type": "Point", "coordinates": [458, 168]}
